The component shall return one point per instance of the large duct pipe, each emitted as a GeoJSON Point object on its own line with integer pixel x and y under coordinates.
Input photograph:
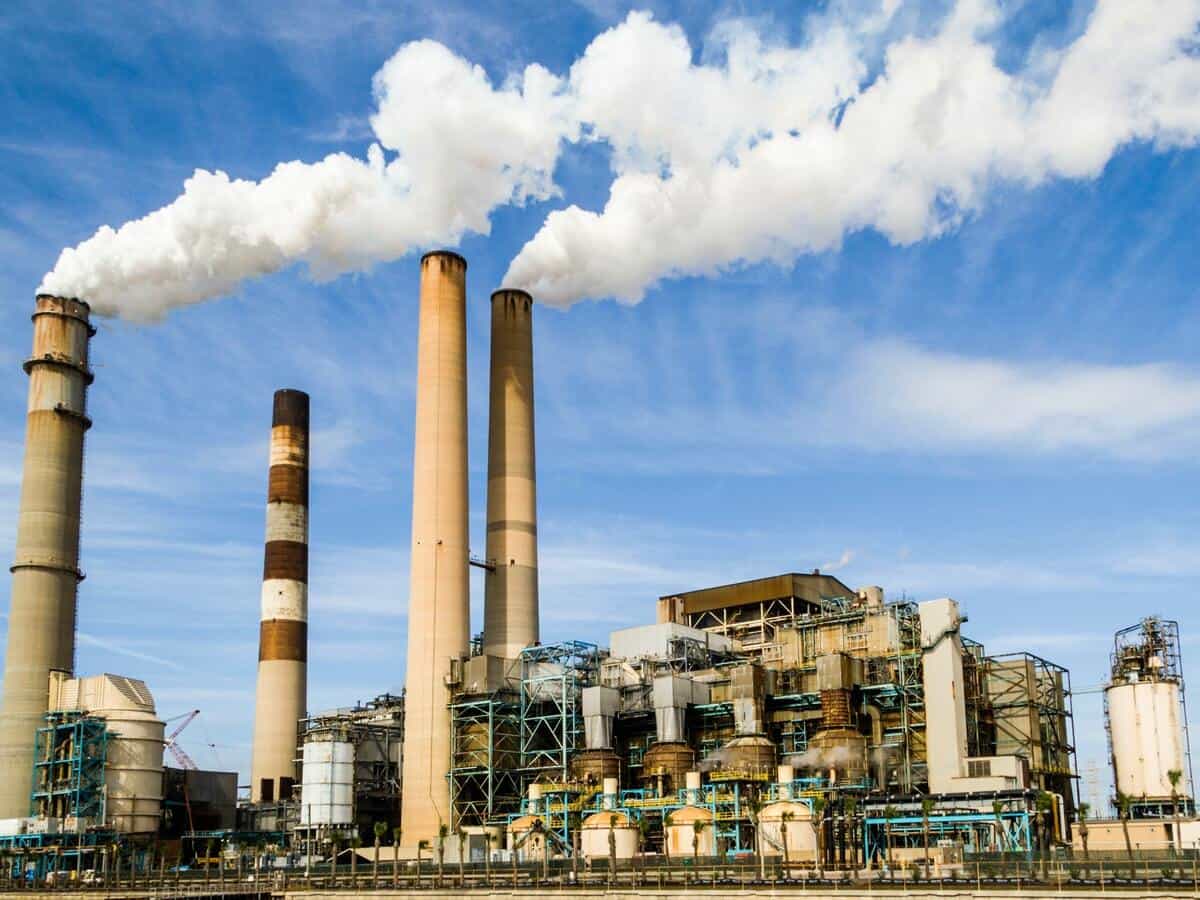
{"type": "Point", "coordinates": [281, 694]}
{"type": "Point", "coordinates": [41, 620]}
{"type": "Point", "coordinates": [438, 600]}
{"type": "Point", "coordinates": [510, 604]}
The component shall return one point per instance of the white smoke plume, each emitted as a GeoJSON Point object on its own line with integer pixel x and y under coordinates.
{"type": "Point", "coordinates": [759, 152]}
{"type": "Point", "coordinates": [778, 151]}
{"type": "Point", "coordinates": [462, 148]}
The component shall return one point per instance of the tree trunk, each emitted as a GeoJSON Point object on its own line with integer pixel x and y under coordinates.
{"type": "Point", "coordinates": [925, 839]}
{"type": "Point", "coordinates": [1129, 846]}
{"type": "Point", "coordinates": [787, 856]}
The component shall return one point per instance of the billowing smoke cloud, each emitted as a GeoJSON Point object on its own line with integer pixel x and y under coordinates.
{"type": "Point", "coordinates": [775, 152]}
{"type": "Point", "coordinates": [462, 148]}
{"type": "Point", "coordinates": [760, 152]}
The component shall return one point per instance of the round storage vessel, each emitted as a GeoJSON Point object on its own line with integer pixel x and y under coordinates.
{"type": "Point", "coordinates": [1147, 737]}
{"type": "Point", "coordinates": [595, 832]}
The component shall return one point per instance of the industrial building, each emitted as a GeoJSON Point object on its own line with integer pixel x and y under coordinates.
{"type": "Point", "coordinates": [790, 716]}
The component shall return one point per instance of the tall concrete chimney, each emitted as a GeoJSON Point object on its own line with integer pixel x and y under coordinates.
{"type": "Point", "coordinates": [281, 694]}
{"type": "Point", "coordinates": [438, 600]}
{"type": "Point", "coordinates": [510, 606]}
{"type": "Point", "coordinates": [41, 620]}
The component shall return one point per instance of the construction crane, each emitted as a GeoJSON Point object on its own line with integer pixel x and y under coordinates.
{"type": "Point", "coordinates": [181, 757]}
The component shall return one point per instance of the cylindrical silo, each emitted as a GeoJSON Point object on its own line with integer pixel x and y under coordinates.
{"type": "Point", "coordinates": [1147, 738]}
{"type": "Point", "coordinates": [438, 599]}
{"type": "Point", "coordinates": [281, 693]}
{"type": "Point", "coordinates": [327, 793]}
{"type": "Point", "coordinates": [41, 619]}
{"type": "Point", "coordinates": [510, 604]}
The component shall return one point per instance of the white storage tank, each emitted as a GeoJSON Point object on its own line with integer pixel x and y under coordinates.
{"type": "Point", "coordinates": [689, 832]}
{"type": "Point", "coordinates": [327, 783]}
{"type": "Point", "coordinates": [793, 819]}
{"type": "Point", "coordinates": [595, 831]}
{"type": "Point", "coordinates": [1147, 723]}
{"type": "Point", "coordinates": [133, 775]}
{"type": "Point", "coordinates": [1147, 738]}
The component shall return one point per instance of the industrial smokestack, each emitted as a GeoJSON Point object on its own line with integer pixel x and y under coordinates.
{"type": "Point", "coordinates": [438, 600]}
{"type": "Point", "coordinates": [41, 620]}
{"type": "Point", "coordinates": [281, 694]}
{"type": "Point", "coordinates": [510, 606]}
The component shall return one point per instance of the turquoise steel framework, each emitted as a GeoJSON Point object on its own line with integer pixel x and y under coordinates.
{"type": "Point", "coordinates": [1008, 830]}
{"type": "Point", "coordinates": [551, 721]}
{"type": "Point", "coordinates": [485, 748]}
{"type": "Point", "coordinates": [70, 752]}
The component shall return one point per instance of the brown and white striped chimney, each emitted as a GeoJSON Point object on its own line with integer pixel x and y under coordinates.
{"type": "Point", "coordinates": [41, 619]}
{"type": "Point", "coordinates": [510, 605]}
{"type": "Point", "coordinates": [439, 599]}
{"type": "Point", "coordinates": [281, 694]}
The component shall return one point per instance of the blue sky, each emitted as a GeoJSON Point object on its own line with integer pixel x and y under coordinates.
{"type": "Point", "coordinates": [1007, 413]}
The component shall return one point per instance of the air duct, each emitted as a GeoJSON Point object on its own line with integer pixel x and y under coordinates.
{"type": "Point", "coordinates": [510, 605]}
{"type": "Point", "coordinates": [41, 619]}
{"type": "Point", "coordinates": [438, 600]}
{"type": "Point", "coordinates": [280, 697]}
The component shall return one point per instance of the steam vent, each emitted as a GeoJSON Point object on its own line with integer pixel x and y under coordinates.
{"type": "Point", "coordinates": [41, 621]}
{"type": "Point", "coordinates": [283, 632]}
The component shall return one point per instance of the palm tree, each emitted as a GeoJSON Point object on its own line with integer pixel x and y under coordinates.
{"type": "Point", "coordinates": [380, 831]}
{"type": "Point", "coordinates": [1175, 776]}
{"type": "Point", "coordinates": [667, 842]}
{"type": "Point", "coordinates": [785, 820]}
{"type": "Point", "coordinates": [612, 847]}
{"type": "Point", "coordinates": [697, 830]}
{"type": "Point", "coordinates": [755, 808]}
{"type": "Point", "coordinates": [818, 811]}
{"type": "Point", "coordinates": [1001, 831]}
{"type": "Point", "coordinates": [926, 809]}
{"type": "Point", "coordinates": [395, 858]}
{"type": "Point", "coordinates": [422, 845]}
{"type": "Point", "coordinates": [889, 813]}
{"type": "Point", "coordinates": [462, 839]}
{"type": "Point", "coordinates": [443, 833]}
{"type": "Point", "coordinates": [850, 809]}
{"type": "Point", "coordinates": [335, 843]}
{"type": "Point", "coordinates": [355, 843]}
{"type": "Point", "coordinates": [1082, 812]}
{"type": "Point", "coordinates": [1123, 810]}
{"type": "Point", "coordinates": [1044, 805]}
{"type": "Point", "coordinates": [487, 856]}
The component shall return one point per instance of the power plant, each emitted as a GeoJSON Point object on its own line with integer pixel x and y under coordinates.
{"type": "Point", "coordinates": [792, 717]}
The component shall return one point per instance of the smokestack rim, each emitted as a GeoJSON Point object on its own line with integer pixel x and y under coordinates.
{"type": "Point", "coordinates": [451, 254]}
{"type": "Point", "coordinates": [290, 407]}
{"type": "Point", "coordinates": [46, 295]}
{"type": "Point", "coordinates": [71, 308]}
{"type": "Point", "coordinates": [520, 292]}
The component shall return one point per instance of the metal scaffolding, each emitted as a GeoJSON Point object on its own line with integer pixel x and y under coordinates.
{"type": "Point", "coordinates": [70, 752]}
{"type": "Point", "coordinates": [485, 749]}
{"type": "Point", "coordinates": [551, 720]}
{"type": "Point", "coordinates": [1030, 706]}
